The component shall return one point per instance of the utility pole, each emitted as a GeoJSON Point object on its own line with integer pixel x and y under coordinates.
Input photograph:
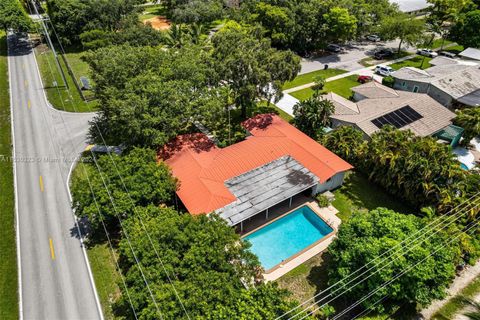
{"type": "Point", "coordinates": [45, 29]}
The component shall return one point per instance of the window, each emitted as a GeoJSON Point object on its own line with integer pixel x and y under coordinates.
{"type": "Point", "coordinates": [415, 88]}
{"type": "Point", "coordinates": [404, 84]}
{"type": "Point", "coordinates": [398, 118]}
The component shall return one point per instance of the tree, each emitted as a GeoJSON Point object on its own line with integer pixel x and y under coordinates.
{"type": "Point", "coordinates": [443, 11]}
{"type": "Point", "coordinates": [312, 115]}
{"type": "Point", "coordinates": [469, 120]}
{"type": "Point", "coordinates": [198, 11]}
{"type": "Point", "coordinates": [339, 24]}
{"type": "Point", "coordinates": [346, 142]}
{"type": "Point", "coordinates": [319, 83]}
{"type": "Point", "coordinates": [208, 264]}
{"type": "Point", "coordinates": [12, 15]}
{"type": "Point", "coordinates": [146, 181]}
{"type": "Point", "coordinates": [246, 62]}
{"type": "Point", "coordinates": [366, 236]}
{"type": "Point", "coordinates": [465, 32]}
{"type": "Point", "coordinates": [404, 27]}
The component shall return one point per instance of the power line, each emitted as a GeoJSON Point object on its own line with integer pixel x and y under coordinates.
{"type": "Point", "coordinates": [473, 224]}
{"type": "Point", "coordinates": [131, 200]}
{"type": "Point", "coordinates": [424, 231]}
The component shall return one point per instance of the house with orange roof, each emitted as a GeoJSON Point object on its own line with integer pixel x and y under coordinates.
{"type": "Point", "coordinates": [275, 163]}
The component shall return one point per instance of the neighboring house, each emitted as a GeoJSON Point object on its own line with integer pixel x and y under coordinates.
{"type": "Point", "coordinates": [470, 54]}
{"type": "Point", "coordinates": [446, 82]}
{"type": "Point", "coordinates": [275, 163]}
{"type": "Point", "coordinates": [377, 105]}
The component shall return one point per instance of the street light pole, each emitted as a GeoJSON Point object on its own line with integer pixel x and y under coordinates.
{"type": "Point", "coordinates": [45, 29]}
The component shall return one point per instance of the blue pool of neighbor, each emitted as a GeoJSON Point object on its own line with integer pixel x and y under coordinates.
{"type": "Point", "coordinates": [463, 166]}
{"type": "Point", "coordinates": [287, 236]}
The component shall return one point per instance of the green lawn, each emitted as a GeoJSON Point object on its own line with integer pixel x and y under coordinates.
{"type": "Point", "coordinates": [455, 49]}
{"type": "Point", "coordinates": [59, 96]}
{"type": "Point", "coordinates": [265, 107]}
{"type": "Point", "coordinates": [437, 43]}
{"type": "Point", "coordinates": [455, 304]}
{"type": "Point", "coordinates": [341, 87]}
{"type": "Point", "coordinates": [309, 77]}
{"type": "Point", "coordinates": [359, 194]}
{"type": "Point", "coordinates": [413, 62]}
{"type": "Point", "coordinates": [152, 11]}
{"type": "Point", "coordinates": [8, 261]}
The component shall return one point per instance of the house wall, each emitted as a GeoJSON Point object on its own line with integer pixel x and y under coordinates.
{"type": "Point", "coordinates": [440, 95]}
{"type": "Point", "coordinates": [337, 123]}
{"type": "Point", "coordinates": [408, 85]}
{"type": "Point", "coordinates": [332, 183]}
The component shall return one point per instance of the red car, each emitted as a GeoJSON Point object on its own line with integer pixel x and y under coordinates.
{"type": "Point", "coordinates": [364, 79]}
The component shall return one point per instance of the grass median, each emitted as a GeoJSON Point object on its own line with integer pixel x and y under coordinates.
{"type": "Point", "coordinates": [8, 257]}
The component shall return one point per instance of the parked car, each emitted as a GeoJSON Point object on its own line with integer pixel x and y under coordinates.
{"type": "Point", "coordinates": [427, 52]}
{"type": "Point", "coordinates": [447, 54]}
{"type": "Point", "coordinates": [334, 48]}
{"type": "Point", "coordinates": [383, 70]}
{"type": "Point", "coordinates": [383, 54]}
{"type": "Point", "coordinates": [373, 37]}
{"type": "Point", "coordinates": [364, 79]}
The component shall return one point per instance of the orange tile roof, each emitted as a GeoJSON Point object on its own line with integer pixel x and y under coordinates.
{"type": "Point", "coordinates": [202, 168]}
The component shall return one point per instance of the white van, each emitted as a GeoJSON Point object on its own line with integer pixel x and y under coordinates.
{"type": "Point", "coordinates": [383, 70]}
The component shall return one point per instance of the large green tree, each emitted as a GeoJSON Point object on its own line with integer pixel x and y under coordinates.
{"type": "Point", "coordinates": [466, 31]}
{"type": "Point", "coordinates": [211, 271]}
{"type": "Point", "coordinates": [150, 95]}
{"type": "Point", "coordinates": [312, 115]}
{"type": "Point", "coordinates": [247, 64]}
{"type": "Point", "coordinates": [406, 28]}
{"type": "Point", "coordinates": [12, 15]}
{"type": "Point", "coordinates": [340, 25]}
{"type": "Point", "coordinates": [366, 236]}
{"type": "Point", "coordinates": [129, 180]}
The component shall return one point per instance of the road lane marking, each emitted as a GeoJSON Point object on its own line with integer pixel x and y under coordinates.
{"type": "Point", "coordinates": [23, 66]}
{"type": "Point", "coordinates": [52, 251]}
{"type": "Point", "coordinates": [29, 104]}
{"type": "Point", "coordinates": [41, 184]}
{"type": "Point", "coordinates": [26, 83]}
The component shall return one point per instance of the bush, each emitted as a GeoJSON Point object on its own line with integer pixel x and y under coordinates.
{"type": "Point", "coordinates": [388, 81]}
{"type": "Point", "coordinates": [322, 200]}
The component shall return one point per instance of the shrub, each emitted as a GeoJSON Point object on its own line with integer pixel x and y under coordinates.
{"type": "Point", "coordinates": [388, 81]}
{"type": "Point", "coordinates": [323, 200]}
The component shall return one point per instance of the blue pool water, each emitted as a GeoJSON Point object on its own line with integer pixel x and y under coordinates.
{"type": "Point", "coordinates": [463, 166]}
{"type": "Point", "coordinates": [287, 236]}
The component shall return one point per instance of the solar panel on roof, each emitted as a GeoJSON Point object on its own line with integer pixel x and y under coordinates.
{"type": "Point", "coordinates": [398, 118]}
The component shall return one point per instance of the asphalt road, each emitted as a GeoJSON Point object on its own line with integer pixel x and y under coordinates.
{"type": "Point", "coordinates": [55, 278]}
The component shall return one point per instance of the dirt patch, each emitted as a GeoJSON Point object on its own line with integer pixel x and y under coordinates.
{"type": "Point", "coordinates": [159, 23]}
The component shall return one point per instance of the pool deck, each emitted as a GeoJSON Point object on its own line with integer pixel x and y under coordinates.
{"type": "Point", "coordinates": [329, 215]}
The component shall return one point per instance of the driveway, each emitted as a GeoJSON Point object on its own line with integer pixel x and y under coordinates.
{"type": "Point", "coordinates": [349, 60]}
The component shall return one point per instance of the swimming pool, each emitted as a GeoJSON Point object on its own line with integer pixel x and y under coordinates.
{"type": "Point", "coordinates": [287, 236]}
{"type": "Point", "coordinates": [463, 166]}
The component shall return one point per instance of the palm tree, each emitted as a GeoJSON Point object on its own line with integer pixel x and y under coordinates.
{"type": "Point", "coordinates": [176, 36]}
{"type": "Point", "coordinates": [196, 32]}
{"type": "Point", "coordinates": [312, 115]}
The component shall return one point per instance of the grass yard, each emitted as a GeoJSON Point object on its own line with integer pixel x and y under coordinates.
{"type": "Point", "coordinates": [152, 11]}
{"type": "Point", "coordinates": [359, 194]}
{"type": "Point", "coordinates": [341, 87]}
{"type": "Point", "coordinates": [309, 77]}
{"type": "Point", "coordinates": [455, 49]}
{"type": "Point", "coordinates": [265, 107]}
{"type": "Point", "coordinates": [8, 261]}
{"type": "Point", "coordinates": [455, 305]}
{"type": "Point", "coordinates": [413, 62]}
{"type": "Point", "coordinates": [437, 43]}
{"type": "Point", "coordinates": [59, 96]}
